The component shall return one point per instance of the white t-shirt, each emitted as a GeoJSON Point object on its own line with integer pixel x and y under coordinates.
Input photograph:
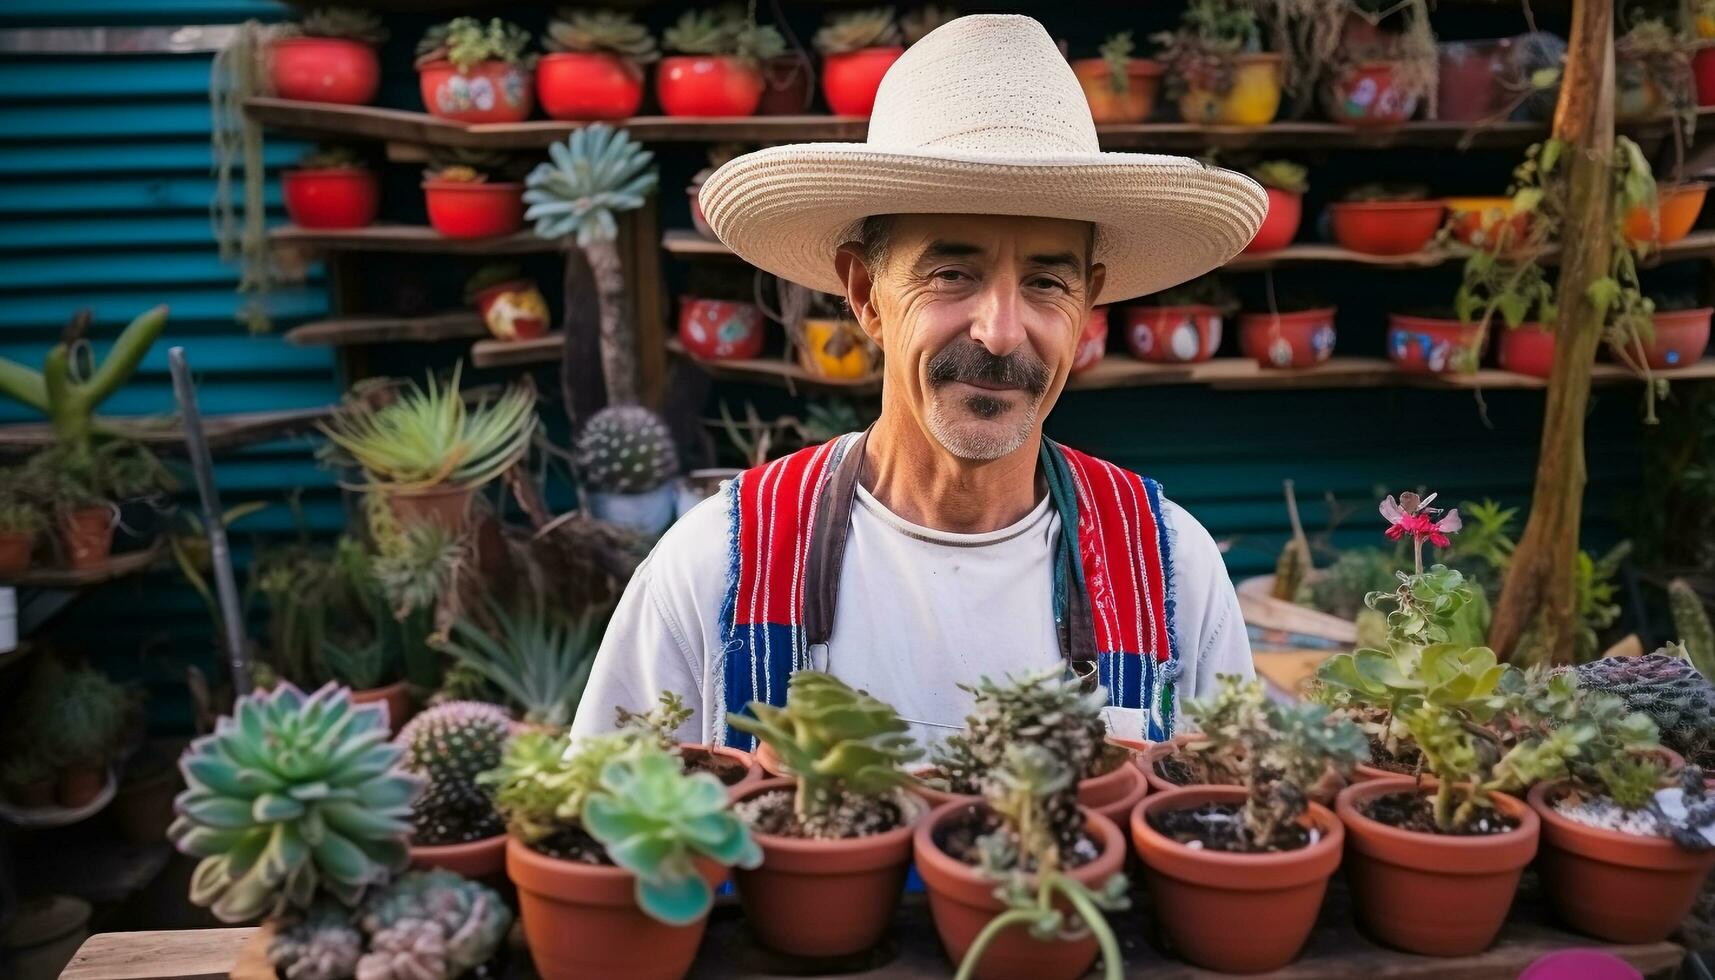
{"type": "Point", "coordinates": [919, 612]}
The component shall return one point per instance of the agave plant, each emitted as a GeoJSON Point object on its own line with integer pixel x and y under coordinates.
{"type": "Point", "coordinates": [539, 661]}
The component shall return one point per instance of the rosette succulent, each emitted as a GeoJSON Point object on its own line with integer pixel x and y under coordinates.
{"type": "Point", "coordinates": [598, 172]}
{"type": "Point", "coordinates": [429, 925]}
{"type": "Point", "coordinates": [468, 42]}
{"type": "Point", "coordinates": [860, 29]}
{"type": "Point", "coordinates": [346, 23]}
{"type": "Point", "coordinates": [608, 31]}
{"type": "Point", "coordinates": [323, 944]}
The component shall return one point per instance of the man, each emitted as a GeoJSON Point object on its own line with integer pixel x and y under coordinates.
{"type": "Point", "coordinates": [970, 235]}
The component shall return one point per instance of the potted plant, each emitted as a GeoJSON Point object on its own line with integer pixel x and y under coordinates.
{"type": "Point", "coordinates": [857, 50]}
{"type": "Point", "coordinates": [454, 823]}
{"type": "Point", "coordinates": [1225, 860]}
{"type": "Point", "coordinates": [511, 304]}
{"type": "Point", "coordinates": [1471, 80]}
{"type": "Point", "coordinates": [1480, 221]}
{"type": "Point", "coordinates": [836, 835]}
{"type": "Point", "coordinates": [463, 203]}
{"type": "Point", "coordinates": [829, 342]}
{"type": "Point", "coordinates": [28, 774]}
{"type": "Point", "coordinates": [329, 56]}
{"type": "Point", "coordinates": [627, 464]}
{"type": "Point", "coordinates": [426, 452]}
{"type": "Point", "coordinates": [720, 329]}
{"type": "Point", "coordinates": [1297, 335]}
{"type": "Point", "coordinates": [735, 768]}
{"type": "Point", "coordinates": [716, 67]}
{"type": "Point", "coordinates": [1652, 68]}
{"type": "Point", "coordinates": [140, 486]}
{"type": "Point", "coordinates": [475, 73]}
{"type": "Point", "coordinates": [331, 188]}
{"type": "Point", "coordinates": [78, 715]}
{"type": "Point", "coordinates": [1669, 217]}
{"type": "Point", "coordinates": [1382, 219]}
{"type": "Point", "coordinates": [1216, 67]}
{"type": "Point", "coordinates": [1679, 334]}
{"type": "Point", "coordinates": [1179, 325]}
{"type": "Point", "coordinates": [1092, 340]}
{"type": "Point", "coordinates": [1285, 183]}
{"type": "Point", "coordinates": [1665, 686]}
{"type": "Point", "coordinates": [1119, 87]}
{"type": "Point", "coordinates": [594, 65]}
{"type": "Point", "coordinates": [421, 924]}
{"type": "Point", "coordinates": [20, 522]}
{"type": "Point", "coordinates": [1385, 65]}
{"type": "Point", "coordinates": [615, 850]}
{"type": "Point", "coordinates": [86, 518]}
{"type": "Point", "coordinates": [537, 660]}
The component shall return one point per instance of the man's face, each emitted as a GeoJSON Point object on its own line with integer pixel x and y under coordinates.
{"type": "Point", "coordinates": [978, 316]}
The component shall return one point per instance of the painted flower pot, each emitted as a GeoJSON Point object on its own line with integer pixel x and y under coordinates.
{"type": "Point", "coordinates": [582, 920]}
{"type": "Point", "coordinates": [1468, 80]}
{"type": "Point", "coordinates": [856, 362]}
{"type": "Point", "coordinates": [446, 505]}
{"type": "Point", "coordinates": [788, 899]}
{"type": "Point", "coordinates": [1432, 345]}
{"type": "Point", "coordinates": [78, 786]}
{"type": "Point", "coordinates": [1527, 349]}
{"type": "Point", "coordinates": [477, 859]}
{"type": "Point", "coordinates": [1235, 913]}
{"type": "Point", "coordinates": [850, 81]}
{"type": "Point", "coordinates": [87, 534]}
{"type": "Point", "coordinates": [491, 92]}
{"type": "Point", "coordinates": [1703, 70]}
{"type": "Point", "coordinates": [1673, 217]}
{"type": "Point", "coordinates": [708, 85]}
{"type": "Point", "coordinates": [395, 697]}
{"type": "Point", "coordinates": [15, 548]}
{"type": "Point", "coordinates": [1253, 100]}
{"type": "Point", "coordinates": [1134, 105]}
{"type": "Point", "coordinates": [647, 514]}
{"type": "Point", "coordinates": [1172, 334]}
{"type": "Point", "coordinates": [324, 69]}
{"type": "Point", "coordinates": [789, 86]}
{"type": "Point", "coordinates": [962, 903]}
{"type": "Point", "coordinates": [1092, 340]}
{"type": "Point", "coordinates": [1477, 221]}
{"type": "Point", "coordinates": [1369, 94]}
{"type": "Point", "coordinates": [582, 86]}
{"type": "Point", "coordinates": [460, 209]}
{"type": "Point", "coordinates": [1280, 225]}
{"type": "Point", "coordinates": [1681, 337]}
{"type": "Point", "coordinates": [1622, 888]}
{"type": "Point", "coordinates": [1385, 227]}
{"type": "Point", "coordinates": [331, 197]}
{"type": "Point", "coordinates": [1299, 339]}
{"type": "Point", "coordinates": [719, 329]}
{"type": "Point", "coordinates": [513, 310]}
{"type": "Point", "coordinates": [1433, 894]}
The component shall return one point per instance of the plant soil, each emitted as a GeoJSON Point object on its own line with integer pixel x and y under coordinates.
{"type": "Point", "coordinates": [1416, 812]}
{"type": "Point", "coordinates": [575, 845]}
{"type": "Point", "coordinates": [958, 838]}
{"type": "Point", "coordinates": [458, 825]}
{"type": "Point", "coordinates": [728, 770]}
{"type": "Point", "coordinates": [860, 816]}
{"type": "Point", "coordinates": [1221, 827]}
{"type": "Point", "coordinates": [1381, 758]}
{"type": "Point", "coordinates": [1603, 813]}
{"type": "Point", "coordinates": [1184, 769]}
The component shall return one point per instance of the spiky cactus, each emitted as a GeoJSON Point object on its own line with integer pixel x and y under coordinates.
{"type": "Point", "coordinates": [860, 29]}
{"type": "Point", "coordinates": [430, 925]}
{"type": "Point", "coordinates": [345, 23]}
{"type": "Point", "coordinates": [1691, 621]}
{"type": "Point", "coordinates": [293, 795]}
{"type": "Point", "coordinates": [1669, 690]}
{"type": "Point", "coordinates": [626, 449]}
{"type": "Point", "coordinates": [449, 745]}
{"type": "Point", "coordinates": [323, 944]}
{"type": "Point", "coordinates": [573, 29]}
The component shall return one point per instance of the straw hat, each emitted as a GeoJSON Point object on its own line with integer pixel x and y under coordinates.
{"type": "Point", "coordinates": [983, 116]}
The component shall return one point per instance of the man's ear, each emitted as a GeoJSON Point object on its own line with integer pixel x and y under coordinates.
{"type": "Point", "coordinates": [1098, 279]}
{"type": "Point", "coordinates": [849, 265]}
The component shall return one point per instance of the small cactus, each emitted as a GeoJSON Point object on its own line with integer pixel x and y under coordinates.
{"type": "Point", "coordinates": [875, 28]}
{"type": "Point", "coordinates": [449, 745]}
{"type": "Point", "coordinates": [321, 945]}
{"type": "Point", "coordinates": [572, 29]}
{"type": "Point", "coordinates": [626, 449]}
{"type": "Point", "coordinates": [344, 23]}
{"type": "Point", "coordinates": [1691, 620]}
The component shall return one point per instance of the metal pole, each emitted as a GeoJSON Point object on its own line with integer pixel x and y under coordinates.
{"type": "Point", "coordinates": [220, 556]}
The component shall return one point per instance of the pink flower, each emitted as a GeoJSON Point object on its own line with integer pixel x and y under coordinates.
{"type": "Point", "coordinates": [1412, 515]}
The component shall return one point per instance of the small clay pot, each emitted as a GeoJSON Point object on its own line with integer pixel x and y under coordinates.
{"type": "Point", "coordinates": [1112, 794]}
{"type": "Point", "coordinates": [1172, 334]}
{"type": "Point", "coordinates": [1280, 224]}
{"type": "Point", "coordinates": [447, 505]}
{"type": "Point", "coordinates": [1092, 340]}
{"type": "Point", "coordinates": [490, 92]}
{"type": "Point", "coordinates": [1368, 94]}
{"type": "Point", "coordinates": [1154, 752]}
{"type": "Point", "coordinates": [753, 773]}
{"type": "Point", "coordinates": [1681, 338]}
{"type": "Point", "coordinates": [395, 697]}
{"type": "Point", "coordinates": [1468, 80]}
{"type": "Point", "coordinates": [477, 859]}
{"type": "Point", "coordinates": [1134, 105]}
{"type": "Point", "coordinates": [87, 533]}
{"type": "Point", "coordinates": [331, 197]}
{"type": "Point", "coordinates": [1300, 339]}
{"type": "Point", "coordinates": [15, 549]}
{"type": "Point", "coordinates": [789, 86]}
{"type": "Point", "coordinates": [1674, 215]}
{"type": "Point", "coordinates": [1253, 100]}
{"type": "Point", "coordinates": [1236, 913]}
{"type": "Point", "coordinates": [78, 785]}
{"type": "Point", "coordinates": [720, 330]}
{"type": "Point", "coordinates": [584, 86]}
{"type": "Point", "coordinates": [708, 85]}
{"type": "Point", "coordinates": [1621, 888]}
{"type": "Point", "coordinates": [1434, 345]}
{"type": "Point", "coordinates": [814, 357]}
{"type": "Point", "coordinates": [825, 898]}
{"type": "Point", "coordinates": [850, 81]}
{"type": "Point", "coordinates": [1527, 349]}
{"type": "Point", "coordinates": [1433, 894]}
{"type": "Point", "coordinates": [1385, 227]}
{"type": "Point", "coordinates": [324, 69]}
{"type": "Point", "coordinates": [513, 310]}
{"type": "Point", "coordinates": [466, 209]}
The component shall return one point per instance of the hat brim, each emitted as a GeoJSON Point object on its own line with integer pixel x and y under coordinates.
{"type": "Point", "coordinates": [1160, 220]}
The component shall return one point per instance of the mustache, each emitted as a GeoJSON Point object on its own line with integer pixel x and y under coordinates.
{"type": "Point", "coordinates": [968, 361]}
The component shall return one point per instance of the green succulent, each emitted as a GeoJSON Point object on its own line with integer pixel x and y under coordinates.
{"type": "Point", "coordinates": [857, 30]}
{"type": "Point", "coordinates": [346, 23]}
{"type": "Point", "coordinates": [1630, 780]}
{"type": "Point", "coordinates": [1691, 621]}
{"type": "Point", "coordinates": [626, 449]}
{"type": "Point", "coordinates": [1436, 606]}
{"type": "Point", "coordinates": [660, 724]}
{"type": "Point", "coordinates": [572, 29]}
{"type": "Point", "coordinates": [1117, 51]}
{"type": "Point", "coordinates": [431, 924]}
{"type": "Point", "coordinates": [1668, 689]}
{"type": "Point", "coordinates": [538, 660]}
{"type": "Point", "coordinates": [468, 42]}
{"type": "Point", "coordinates": [450, 745]}
{"type": "Point", "coordinates": [321, 944]}
{"type": "Point", "coordinates": [293, 796]}
{"type": "Point", "coordinates": [723, 32]}
{"type": "Point", "coordinates": [544, 779]}
{"type": "Point", "coordinates": [1293, 178]}
{"type": "Point", "coordinates": [597, 173]}
{"type": "Point", "coordinates": [20, 517]}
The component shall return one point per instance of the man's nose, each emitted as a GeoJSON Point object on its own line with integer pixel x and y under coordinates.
{"type": "Point", "coordinates": [998, 325]}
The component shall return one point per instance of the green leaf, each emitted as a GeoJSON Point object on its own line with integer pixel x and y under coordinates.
{"type": "Point", "coordinates": [1603, 293]}
{"type": "Point", "coordinates": [677, 900]}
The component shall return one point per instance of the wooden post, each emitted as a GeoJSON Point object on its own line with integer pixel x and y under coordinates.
{"type": "Point", "coordinates": [1539, 590]}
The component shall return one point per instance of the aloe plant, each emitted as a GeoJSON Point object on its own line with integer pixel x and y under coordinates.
{"type": "Point", "coordinates": [537, 660]}
{"type": "Point", "coordinates": [69, 395]}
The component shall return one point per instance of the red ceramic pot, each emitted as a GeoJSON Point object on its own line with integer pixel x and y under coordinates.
{"type": "Point", "coordinates": [1092, 341]}
{"type": "Point", "coordinates": [789, 86]}
{"type": "Point", "coordinates": [849, 81]}
{"type": "Point", "coordinates": [720, 330]}
{"type": "Point", "coordinates": [1369, 95]}
{"type": "Point", "coordinates": [1288, 340]}
{"type": "Point", "coordinates": [331, 197]}
{"type": "Point", "coordinates": [491, 92]}
{"type": "Point", "coordinates": [1430, 345]}
{"type": "Point", "coordinates": [324, 69]}
{"type": "Point", "coordinates": [458, 209]}
{"type": "Point", "coordinates": [707, 85]}
{"type": "Point", "coordinates": [1385, 227]}
{"type": "Point", "coordinates": [1280, 226]}
{"type": "Point", "coordinates": [1681, 337]}
{"type": "Point", "coordinates": [1173, 334]}
{"type": "Point", "coordinates": [1703, 68]}
{"type": "Point", "coordinates": [588, 85]}
{"type": "Point", "coordinates": [1527, 349]}
{"type": "Point", "coordinates": [513, 310]}
{"type": "Point", "coordinates": [1468, 85]}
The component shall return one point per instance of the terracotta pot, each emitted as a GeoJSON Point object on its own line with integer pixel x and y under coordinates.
{"type": "Point", "coordinates": [491, 92]}
{"type": "Point", "coordinates": [1476, 221]}
{"type": "Point", "coordinates": [1432, 345]}
{"type": "Point", "coordinates": [962, 903]}
{"type": "Point", "coordinates": [1385, 227]}
{"type": "Point", "coordinates": [582, 920]}
{"type": "Point", "coordinates": [769, 760]}
{"type": "Point", "coordinates": [935, 797]}
{"type": "Point", "coordinates": [1236, 913]}
{"type": "Point", "coordinates": [447, 505]}
{"type": "Point", "coordinates": [1675, 214]}
{"type": "Point", "coordinates": [825, 898]}
{"type": "Point", "coordinates": [1365, 771]}
{"type": "Point", "coordinates": [1368, 95]}
{"type": "Point", "coordinates": [1468, 83]}
{"type": "Point", "coordinates": [484, 858]}
{"type": "Point", "coordinates": [324, 69]}
{"type": "Point", "coordinates": [720, 330]}
{"type": "Point", "coordinates": [1118, 793]}
{"type": "Point", "coordinates": [1252, 101]}
{"type": "Point", "coordinates": [513, 310]}
{"type": "Point", "coordinates": [87, 534]}
{"type": "Point", "coordinates": [1527, 349]}
{"type": "Point", "coordinates": [789, 86]}
{"type": "Point", "coordinates": [1617, 887]}
{"type": "Point", "coordinates": [78, 785]}
{"type": "Point", "coordinates": [1092, 340]}
{"type": "Point", "coordinates": [1681, 337]}
{"type": "Point", "coordinates": [582, 86]}
{"type": "Point", "coordinates": [1428, 893]}
{"type": "Point", "coordinates": [458, 209]}
{"type": "Point", "coordinates": [1172, 334]}
{"type": "Point", "coordinates": [331, 197]}
{"type": "Point", "coordinates": [1280, 225]}
{"type": "Point", "coordinates": [1134, 105]}
{"type": "Point", "coordinates": [850, 81]}
{"type": "Point", "coordinates": [15, 548]}
{"type": "Point", "coordinates": [707, 85]}
{"type": "Point", "coordinates": [1299, 339]}
{"type": "Point", "coordinates": [395, 696]}
{"type": "Point", "coordinates": [1154, 752]}
{"type": "Point", "coordinates": [1703, 69]}
{"type": "Point", "coordinates": [752, 772]}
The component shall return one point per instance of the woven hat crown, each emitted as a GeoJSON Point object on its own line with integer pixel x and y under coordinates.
{"type": "Point", "coordinates": [994, 84]}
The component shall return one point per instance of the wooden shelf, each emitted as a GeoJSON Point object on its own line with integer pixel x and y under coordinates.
{"type": "Point", "coordinates": [494, 353]}
{"type": "Point", "coordinates": [164, 431]}
{"type": "Point", "coordinates": [118, 566]}
{"type": "Point", "coordinates": [405, 238]}
{"type": "Point", "coordinates": [353, 330]}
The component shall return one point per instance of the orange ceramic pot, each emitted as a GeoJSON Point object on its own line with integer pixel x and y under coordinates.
{"type": "Point", "coordinates": [1111, 794]}
{"type": "Point", "coordinates": [1527, 349]}
{"type": "Point", "coordinates": [1092, 340]}
{"type": "Point", "coordinates": [395, 696]}
{"type": "Point", "coordinates": [331, 197]}
{"type": "Point", "coordinates": [753, 773]}
{"type": "Point", "coordinates": [1385, 227]}
{"type": "Point", "coordinates": [1172, 334]}
{"type": "Point", "coordinates": [324, 69]}
{"type": "Point", "coordinates": [476, 859]}
{"type": "Point", "coordinates": [1673, 217]}
{"type": "Point", "coordinates": [1681, 337]}
{"type": "Point", "coordinates": [1369, 95]}
{"type": "Point", "coordinates": [491, 92]}
{"type": "Point", "coordinates": [447, 505]}
{"type": "Point", "coordinates": [1433, 345]}
{"type": "Point", "coordinates": [1134, 104]}
{"type": "Point", "coordinates": [78, 786]}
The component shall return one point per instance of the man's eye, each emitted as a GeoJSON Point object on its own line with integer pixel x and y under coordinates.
{"type": "Point", "coordinates": [950, 275]}
{"type": "Point", "coordinates": [1045, 282]}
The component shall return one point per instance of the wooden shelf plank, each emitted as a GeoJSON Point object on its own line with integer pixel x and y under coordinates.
{"type": "Point", "coordinates": [405, 238]}
{"type": "Point", "coordinates": [352, 330]}
{"type": "Point", "coordinates": [118, 566]}
{"type": "Point", "coordinates": [164, 432]}
{"type": "Point", "coordinates": [492, 353]}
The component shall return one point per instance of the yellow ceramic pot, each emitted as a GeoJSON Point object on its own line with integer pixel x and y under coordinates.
{"type": "Point", "coordinates": [814, 355]}
{"type": "Point", "coordinates": [1253, 100]}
